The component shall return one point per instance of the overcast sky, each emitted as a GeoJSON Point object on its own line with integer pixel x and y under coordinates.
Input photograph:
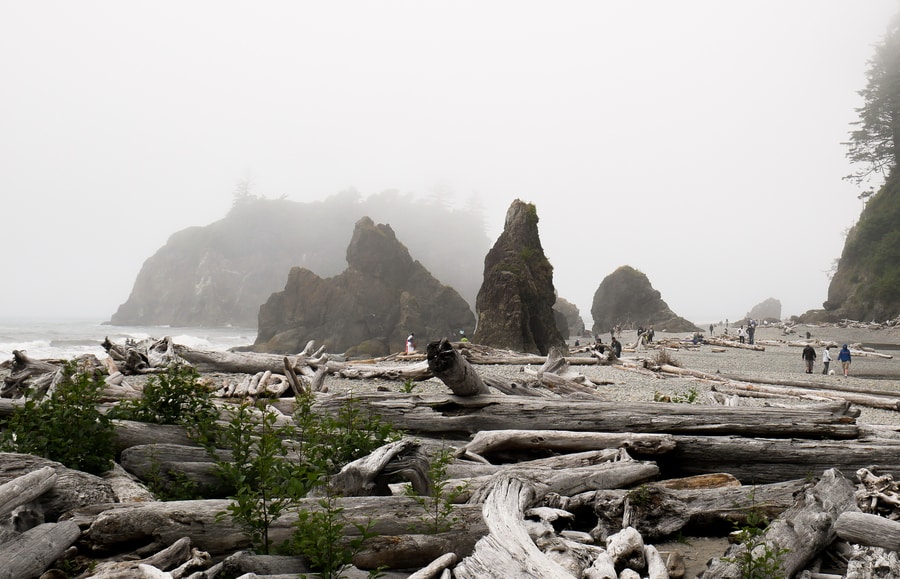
{"type": "Point", "coordinates": [698, 141]}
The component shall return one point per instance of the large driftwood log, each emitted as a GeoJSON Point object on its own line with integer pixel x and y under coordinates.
{"type": "Point", "coordinates": [768, 460]}
{"type": "Point", "coordinates": [494, 441]}
{"type": "Point", "coordinates": [867, 529]}
{"type": "Point", "coordinates": [175, 555]}
{"type": "Point", "coordinates": [32, 552]}
{"type": "Point", "coordinates": [803, 530]}
{"type": "Point", "coordinates": [71, 489]}
{"type": "Point", "coordinates": [369, 475]}
{"type": "Point", "coordinates": [891, 402]}
{"type": "Point", "coordinates": [453, 370]}
{"type": "Point", "coordinates": [457, 414]}
{"type": "Point", "coordinates": [113, 526]}
{"type": "Point", "coordinates": [657, 511]}
{"type": "Point", "coordinates": [26, 488]}
{"type": "Point", "coordinates": [508, 547]}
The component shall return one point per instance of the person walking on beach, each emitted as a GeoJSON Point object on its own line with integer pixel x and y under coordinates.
{"type": "Point", "coordinates": [809, 356]}
{"type": "Point", "coordinates": [411, 344]}
{"type": "Point", "coordinates": [710, 329]}
{"type": "Point", "coordinates": [751, 331]}
{"type": "Point", "coordinates": [844, 357]}
{"type": "Point", "coordinates": [741, 334]}
{"type": "Point", "coordinates": [826, 359]}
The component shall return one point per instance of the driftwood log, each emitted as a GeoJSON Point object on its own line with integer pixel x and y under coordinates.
{"type": "Point", "coordinates": [446, 364]}
{"type": "Point", "coordinates": [458, 414]}
{"type": "Point", "coordinates": [802, 531]}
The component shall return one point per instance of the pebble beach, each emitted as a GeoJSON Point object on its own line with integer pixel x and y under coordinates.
{"type": "Point", "coordinates": [780, 360]}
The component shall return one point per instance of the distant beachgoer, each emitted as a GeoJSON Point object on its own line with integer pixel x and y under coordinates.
{"type": "Point", "coordinates": [844, 357]}
{"type": "Point", "coordinates": [826, 359]}
{"type": "Point", "coordinates": [650, 334]}
{"type": "Point", "coordinates": [411, 344]}
{"type": "Point", "coordinates": [809, 356]}
{"type": "Point", "coordinates": [751, 331]}
{"type": "Point", "coordinates": [710, 329]}
{"type": "Point", "coordinates": [741, 334]}
{"type": "Point", "coordinates": [577, 343]}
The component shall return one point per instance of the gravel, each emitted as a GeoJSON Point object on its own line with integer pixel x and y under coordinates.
{"type": "Point", "coordinates": [780, 360]}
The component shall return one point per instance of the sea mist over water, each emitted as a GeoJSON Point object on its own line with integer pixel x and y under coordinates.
{"type": "Point", "coordinates": [44, 338]}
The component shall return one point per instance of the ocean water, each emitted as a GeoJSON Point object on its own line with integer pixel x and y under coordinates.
{"type": "Point", "coordinates": [44, 338]}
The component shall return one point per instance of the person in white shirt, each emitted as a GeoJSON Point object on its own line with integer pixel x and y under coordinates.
{"type": "Point", "coordinates": [826, 358]}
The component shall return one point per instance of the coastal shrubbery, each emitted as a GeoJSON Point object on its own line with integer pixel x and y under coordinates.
{"type": "Point", "coordinates": [66, 426]}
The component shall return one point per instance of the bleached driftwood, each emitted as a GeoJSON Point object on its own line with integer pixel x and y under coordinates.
{"type": "Point", "coordinates": [800, 532]}
{"type": "Point", "coordinates": [32, 552]}
{"type": "Point", "coordinates": [446, 364]}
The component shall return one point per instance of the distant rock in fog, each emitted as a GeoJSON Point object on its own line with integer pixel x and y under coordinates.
{"type": "Point", "coordinates": [626, 298]}
{"type": "Point", "coordinates": [220, 274]}
{"type": "Point", "coordinates": [769, 309]}
{"type": "Point", "coordinates": [369, 309]}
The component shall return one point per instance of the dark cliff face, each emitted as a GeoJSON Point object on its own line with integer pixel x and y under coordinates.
{"type": "Point", "coordinates": [625, 297]}
{"type": "Point", "coordinates": [866, 285]}
{"type": "Point", "coordinates": [220, 274]}
{"type": "Point", "coordinates": [369, 309]}
{"type": "Point", "coordinates": [571, 323]}
{"type": "Point", "coordinates": [515, 303]}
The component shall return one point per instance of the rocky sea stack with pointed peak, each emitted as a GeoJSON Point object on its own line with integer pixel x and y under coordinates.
{"type": "Point", "coordinates": [626, 298]}
{"type": "Point", "coordinates": [515, 302]}
{"type": "Point", "coordinates": [369, 309]}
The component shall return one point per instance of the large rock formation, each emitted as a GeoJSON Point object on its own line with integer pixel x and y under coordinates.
{"type": "Point", "coordinates": [769, 310]}
{"type": "Point", "coordinates": [369, 309]}
{"type": "Point", "coordinates": [626, 298]}
{"type": "Point", "coordinates": [219, 274]}
{"type": "Point", "coordinates": [568, 318]}
{"type": "Point", "coordinates": [515, 302]}
{"type": "Point", "coordinates": [866, 284]}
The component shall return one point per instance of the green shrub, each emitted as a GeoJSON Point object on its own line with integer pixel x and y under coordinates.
{"type": "Point", "coordinates": [438, 506]}
{"type": "Point", "coordinates": [759, 559]}
{"type": "Point", "coordinates": [319, 536]}
{"type": "Point", "coordinates": [66, 426]}
{"type": "Point", "coordinates": [266, 483]}
{"type": "Point", "coordinates": [175, 397]}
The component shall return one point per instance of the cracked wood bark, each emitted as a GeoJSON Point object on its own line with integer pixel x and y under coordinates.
{"type": "Point", "coordinates": [26, 488]}
{"type": "Point", "coordinates": [494, 441]}
{"type": "Point", "coordinates": [804, 530]}
{"type": "Point", "coordinates": [398, 519]}
{"type": "Point", "coordinates": [868, 529]}
{"type": "Point", "coordinates": [457, 414]}
{"type": "Point", "coordinates": [32, 552]}
{"type": "Point", "coordinates": [508, 547]}
{"type": "Point", "coordinates": [446, 364]}
{"type": "Point", "coordinates": [768, 460]}
{"type": "Point", "coordinates": [656, 511]}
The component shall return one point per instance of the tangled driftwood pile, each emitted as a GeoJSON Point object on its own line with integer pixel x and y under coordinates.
{"type": "Point", "coordinates": [584, 490]}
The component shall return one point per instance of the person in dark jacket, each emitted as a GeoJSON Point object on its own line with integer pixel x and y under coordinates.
{"type": "Point", "coordinates": [809, 356]}
{"type": "Point", "coordinates": [616, 347]}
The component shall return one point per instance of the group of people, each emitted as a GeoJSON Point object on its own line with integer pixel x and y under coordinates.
{"type": "Point", "coordinates": [809, 358]}
{"type": "Point", "coordinates": [748, 335]}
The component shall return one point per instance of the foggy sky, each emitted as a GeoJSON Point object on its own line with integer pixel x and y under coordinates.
{"type": "Point", "coordinates": [697, 141]}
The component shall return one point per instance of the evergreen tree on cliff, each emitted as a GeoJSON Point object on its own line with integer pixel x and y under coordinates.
{"type": "Point", "coordinates": [866, 285]}
{"type": "Point", "coordinates": [875, 144]}
{"type": "Point", "coordinates": [515, 303]}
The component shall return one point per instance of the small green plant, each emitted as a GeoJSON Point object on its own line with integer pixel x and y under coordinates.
{"type": "Point", "coordinates": [330, 442]}
{"type": "Point", "coordinates": [688, 397]}
{"type": "Point", "coordinates": [265, 482]}
{"type": "Point", "coordinates": [408, 386]}
{"type": "Point", "coordinates": [175, 397]}
{"type": "Point", "coordinates": [438, 506]}
{"type": "Point", "coordinates": [319, 536]}
{"type": "Point", "coordinates": [66, 426]}
{"type": "Point", "coordinates": [759, 559]}
{"type": "Point", "coordinates": [640, 496]}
